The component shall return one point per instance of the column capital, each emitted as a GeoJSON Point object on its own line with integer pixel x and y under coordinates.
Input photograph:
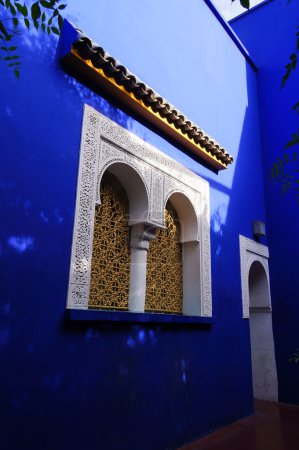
{"type": "Point", "coordinates": [141, 235]}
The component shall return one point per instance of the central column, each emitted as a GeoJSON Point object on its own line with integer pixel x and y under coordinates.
{"type": "Point", "coordinates": [141, 235]}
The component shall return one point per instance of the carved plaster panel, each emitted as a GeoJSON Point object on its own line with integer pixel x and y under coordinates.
{"type": "Point", "coordinates": [114, 154]}
{"type": "Point", "coordinates": [251, 251]}
{"type": "Point", "coordinates": [104, 143]}
{"type": "Point", "coordinates": [204, 235]}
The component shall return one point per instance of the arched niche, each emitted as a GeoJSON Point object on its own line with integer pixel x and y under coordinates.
{"type": "Point", "coordinates": [187, 216]}
{"type": "Point", "coordinates": [257, 308]}
{"type": "Point", "coordinates": [255, 272]}
{"type": "Point", "coordinates": [164, 276]}
{"type": "Point", "coordinates": [259, 293]}
{"type": "Point", "coordinates": [110, 260]}
{"type": "Point", "coordinates": [191, 259]}
{"type": "Point", "coordinates": [135, 189]}
{"type": "Point", "coordinates": [261, 335]}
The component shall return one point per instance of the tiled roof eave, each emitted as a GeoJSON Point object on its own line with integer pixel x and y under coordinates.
{"type": "Point", "coordinates": [113, 77]}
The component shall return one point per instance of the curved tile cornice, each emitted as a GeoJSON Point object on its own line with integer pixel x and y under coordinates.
{"type": "Point", "coordinates": [93, 63]}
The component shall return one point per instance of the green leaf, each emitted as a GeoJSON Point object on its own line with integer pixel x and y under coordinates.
{"type": "Point", "coordinates": [61, 7]}
{"type": "Point", "coordinates": [293, 142]}
{"type": "Point", "coordinates": [12, 9]}
{"type": "Point", "coordinates": [45, 4]}
{"type": "Point", "coordinates": [3, 30]}
{"type": "Point", "coordinates": [27, 23]}
{"type": "Point", "coordinates": [43, 17]}
{"type": "Point", "coordinates": [35, 11]}
{"type": "Point", "coordinates": [295, 107]}
{"type": "Point", "coordinates": [15, 22]}
{"type": "Point", "coordinates": [22, 9]}
{"type": "Point", "coordinates": [60, 22]}
{"type": "Point", "coordinates": [17, 73]}
{"type": "Point", "coordinates": [12, 49]}
{"type": "Point", "coordinates": [36, 24]}
{"type": "Point", "coordinates": [43, 27]}
{"type": "Point", "coordinates": [286, 75]}
{"type": "Point", "coordinates": [245, 3]}
{"type": "Point", "coordinates": [25, 10]}
{"type": "Point", "coordinates": [55, 30]}
{"type": "Point", "coordinates": [19, 8]}
{"type": "Point", "coordinates": [14, 64]}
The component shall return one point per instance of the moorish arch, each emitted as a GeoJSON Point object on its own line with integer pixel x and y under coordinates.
{"type": "Point", "coordinates": [186, 214]}
{"type": "Point", "coordinates": [148, 179]}
{"type": "Point", "coordinates": [111, 255]}
{"type": "Point", "coordinates": [164, 274]}
{"type": "Point", "coordinates": [258, 284]}
{"type": "Point", "coordinates": [135, 186]}
{"type": "Point", "coordinates": [256, 299]}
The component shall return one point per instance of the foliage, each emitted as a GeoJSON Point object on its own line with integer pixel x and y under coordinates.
{"type": "Point", "coordinates": [289, 68]}
{"type": "Point", "coordinates": [41, 15]}
{"type": "Point", "coordinates": [288, 177]}
{"type": "Point", "coordinates": [291, 65]}
{"type": "Point", "coordinates": [244, 3]}
{"type": "Point", "coordinates": [295, 356]}
{"type": "Point", "coordinates": [285, 174]}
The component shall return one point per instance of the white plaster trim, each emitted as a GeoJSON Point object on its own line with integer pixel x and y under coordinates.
{"type": "Point", "coordinates": [251, 251]}
{"type": "Point", "coordinates": [104, 143]}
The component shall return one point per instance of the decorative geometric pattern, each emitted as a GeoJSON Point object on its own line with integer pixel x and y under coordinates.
{"type": "Point", "coordinates": [105, 143]}
{"type": "Point", "coordinates": [110, 263]}
{"type": "Point", "coordinates": [164, 277]}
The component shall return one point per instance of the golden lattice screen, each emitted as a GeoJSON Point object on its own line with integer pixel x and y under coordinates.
{"type": "Point", "coordinates": [110, 265]}
{"type": "Point", "coordinates": [164, 278]}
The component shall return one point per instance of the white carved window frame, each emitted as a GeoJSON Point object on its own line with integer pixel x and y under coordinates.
{"type": "Point", "coordinates": [251, 251]}
{"type": "Point", "coordinates": [104, 143]}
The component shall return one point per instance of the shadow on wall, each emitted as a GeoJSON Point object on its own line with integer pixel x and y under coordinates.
{"type": "Point", "coordinates": [97, 375]}
{"type": "Point", "coordinates": [234, 210]}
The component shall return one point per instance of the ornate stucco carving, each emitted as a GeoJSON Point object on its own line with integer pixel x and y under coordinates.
{"type": "Point", "coordinates": [104, 143]}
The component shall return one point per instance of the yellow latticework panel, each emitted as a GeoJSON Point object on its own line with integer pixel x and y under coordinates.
{"type": "Point", "coordinates": [164, 277]}
{"type": "Point", "coordinates": [110, 265]}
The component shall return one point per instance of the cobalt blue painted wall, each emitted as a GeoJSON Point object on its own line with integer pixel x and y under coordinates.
{"type": "Point", "coordinates": [118, 386]}
{"type": "Point", "coordinates": [269, 32]}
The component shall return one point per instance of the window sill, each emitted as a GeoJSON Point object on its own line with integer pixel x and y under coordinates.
{"type": "Point", "coordinates": [131, 317]}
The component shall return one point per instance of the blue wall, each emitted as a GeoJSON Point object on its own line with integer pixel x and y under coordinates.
{"type": "Point", "coordinates": [269, 32]}
{"type": "Point", "coordinates": [109, 386]}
